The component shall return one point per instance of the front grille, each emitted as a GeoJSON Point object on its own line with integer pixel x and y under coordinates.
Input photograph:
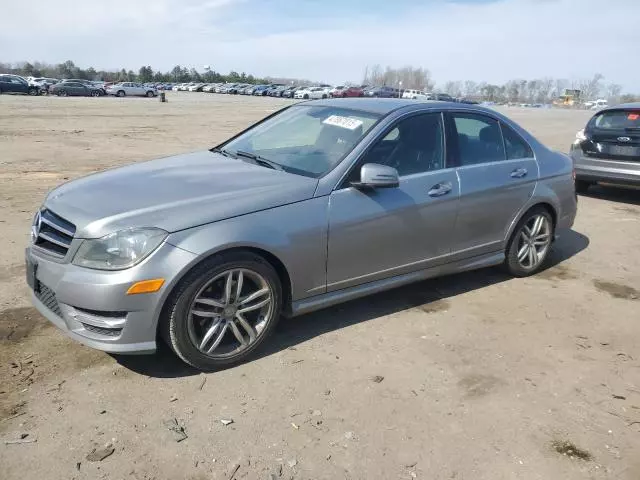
{"type": "Point", "coordinates": [48, 298]}
{"type": "Point", "coordinates": [54, 233]}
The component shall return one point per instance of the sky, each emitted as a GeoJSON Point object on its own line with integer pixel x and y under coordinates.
{"type": "Point", "coordinates": [334, 40]}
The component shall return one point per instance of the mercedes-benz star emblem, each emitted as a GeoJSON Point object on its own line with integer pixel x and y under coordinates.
{"type": "Point", "coordinates": [624, 139]}
{"type": "Point", "coordinates": [35, 228]}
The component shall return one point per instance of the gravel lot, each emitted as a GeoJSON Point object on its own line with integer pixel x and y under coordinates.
{"type": "Point", "coordinates": [476, 376]}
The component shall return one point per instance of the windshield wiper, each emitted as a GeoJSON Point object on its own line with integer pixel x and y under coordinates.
{"type": "Point", "coordinates": [224, 152]}
{"type": "Point", "coordinates": [259, 160]}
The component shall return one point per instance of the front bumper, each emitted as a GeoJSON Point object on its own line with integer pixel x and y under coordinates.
{"type": "Point", "coordinates": [605, 170]}
{"type": "Point", "coordinates": [92, 307]}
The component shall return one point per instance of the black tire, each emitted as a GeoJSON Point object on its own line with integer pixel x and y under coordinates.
{"type": "Point", "coordinates": [121, 93]}
{"type": "Point", "coordinates": [33, 92]}
{"type": "Point", "coordinates": [174, 326]}
{"type": "Point", "coordinates": [511, 263]}
{"type": "Point", "coordinates": [150, 94]}
{"type": "Point", "coordinates": [62, 93]}
{"type": "Point", "coordinates": [306, 96]}
{"type": "Point", "coordinates": [95, 93]}
{"type": "Point", "coordinates": [582, 186]}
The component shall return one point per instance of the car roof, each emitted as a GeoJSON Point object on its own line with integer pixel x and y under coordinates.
{"type": "Point", "coordinates": [620, 106]}
{"type": "Point", "coordinates": [385, 106]}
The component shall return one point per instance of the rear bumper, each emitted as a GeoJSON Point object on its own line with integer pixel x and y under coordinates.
{"type": "Point", "coordinates": [605, 170]}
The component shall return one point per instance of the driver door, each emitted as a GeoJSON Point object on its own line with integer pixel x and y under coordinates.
{"type": "Point", "coordinates": [380, 233]}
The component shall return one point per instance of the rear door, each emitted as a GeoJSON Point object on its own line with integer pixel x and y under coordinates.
{"type": "Point", "coordinates": [497, 173]}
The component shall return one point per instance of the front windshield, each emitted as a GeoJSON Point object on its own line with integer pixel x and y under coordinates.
{"type": "Point", "coordinates": [307, 140]}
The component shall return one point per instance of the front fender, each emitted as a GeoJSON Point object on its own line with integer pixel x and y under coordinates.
{"type": "Point", "coordinates": [296, 234]}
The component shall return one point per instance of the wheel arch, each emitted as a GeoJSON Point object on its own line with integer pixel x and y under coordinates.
{"type": "Point", "coordinates": [269, 257]}
{"type": "Point", "coordinates": [548, 206]}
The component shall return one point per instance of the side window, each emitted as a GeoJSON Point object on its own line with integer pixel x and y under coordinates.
{"type": "Point", "coordinates": [516, 146]}
{"type": "Point", "coordinates": [414, 145]}
{"type": "Point", "coordinates": [478, 139]}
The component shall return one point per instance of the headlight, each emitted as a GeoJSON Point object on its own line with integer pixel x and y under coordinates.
{"type": "Point", "coordinates": [119, 250]}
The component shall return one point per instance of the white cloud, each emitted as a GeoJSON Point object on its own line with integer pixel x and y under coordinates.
{"type": "Point", "coordinates": [484, 41]}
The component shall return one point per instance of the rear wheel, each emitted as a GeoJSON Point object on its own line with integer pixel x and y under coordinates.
{"type": "Point", "coordinates": [306, 96]}
{"type": "Point", "coordinates": [95, 93]}
{"type": "Point", "coordinates": [62, 93]}
{"type": "Point", "coordinates": [150, 94]}
{"type": "Point", "coordinates": [121, 93]}
{"type": "Point", "coordinates": [530, 243]}
{"type": "Point", "coordinates": [582, 186]}
{"type": "Point", "coordinates": [223, 310]}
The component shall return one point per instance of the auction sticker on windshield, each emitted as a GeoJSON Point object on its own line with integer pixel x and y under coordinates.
{"type": "Point", "coordinates": [343, 122]}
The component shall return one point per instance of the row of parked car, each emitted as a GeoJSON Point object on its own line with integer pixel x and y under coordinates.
{"type": "Point", "coordinates": [311, 92]}
{"type": "Point", "coordinates": [81, 87]}
{"type": "Point", "coordinates": [73, 87]}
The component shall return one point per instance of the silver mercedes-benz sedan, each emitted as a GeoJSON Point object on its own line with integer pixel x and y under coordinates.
{"type": "Point", "coordinates": [319, 203]}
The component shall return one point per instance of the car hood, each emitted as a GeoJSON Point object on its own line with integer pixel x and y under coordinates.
{"type": "Point", "coordinates": [174, 193]}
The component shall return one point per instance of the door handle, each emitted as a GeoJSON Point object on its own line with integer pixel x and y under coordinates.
{"type": "Point", "coordinates": [440, 189]}
{"type": "Point", "coordinates": [519, 173]}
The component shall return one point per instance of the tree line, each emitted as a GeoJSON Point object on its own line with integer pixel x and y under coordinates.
{"type": "Point", "coordinates": [542, 90]}
{"type": "Point", "coordinates": [177, 74]}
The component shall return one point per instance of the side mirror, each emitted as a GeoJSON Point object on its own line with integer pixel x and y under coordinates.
{"type": "Point", "coordinates": [374, 175]}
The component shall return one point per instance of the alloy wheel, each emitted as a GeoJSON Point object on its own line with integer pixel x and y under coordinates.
{"type": "Point", "coordinates": [534, 241]}
{"type": "Point", "coordinates": [230, 312]}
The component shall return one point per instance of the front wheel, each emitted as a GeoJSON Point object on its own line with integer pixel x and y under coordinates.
{"type": "Point", "coordinates": [95, 93]}
{"type": "Point", "coordinates": [121, 93]}
{"type": "Point", "coordinates": [33, 92]}
{"type": "Point", "coordinates": [306, 96]}
{"type": "Point", "coordinates": [150, 94]}
{"type": "Point", "coordinates": [530, 243]}
{"type": "Point", "coordinates": [62, 93]}
{"type": "Point", "coordinates": [223, 310]}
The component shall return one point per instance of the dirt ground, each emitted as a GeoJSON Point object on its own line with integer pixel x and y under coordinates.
{"type": "Point", "coordinates": [470, 377]}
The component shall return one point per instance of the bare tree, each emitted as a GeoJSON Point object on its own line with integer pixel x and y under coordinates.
{"type": "Point", "coordinates": [590, 89]}
{"type": "Point", "coordinates": [613, 92]}
{"type": "Point", "coordinates": [411, 77]}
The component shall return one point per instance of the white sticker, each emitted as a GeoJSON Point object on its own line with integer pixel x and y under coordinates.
{"type": "Point", "coordinates": [343, 122]}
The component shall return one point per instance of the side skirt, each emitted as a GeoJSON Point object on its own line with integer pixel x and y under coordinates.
{"type": "Point", "coordinates": [317, 302]}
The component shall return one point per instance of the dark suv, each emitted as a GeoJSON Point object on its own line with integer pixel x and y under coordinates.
{"type": "Point", "coordinates": [608, 149]}
{"type": "Point", "coordinates": [17, 84]}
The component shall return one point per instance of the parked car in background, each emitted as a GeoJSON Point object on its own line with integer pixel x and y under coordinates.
{"type": "Point", "coordinates": [72, 88]}
{"type": "Point", "coordinates": [42, 82]}
{"type": "Point", "coordinates": [361, 194]}
{"type": "Point", "coordinates": [415, 94]}
{"type": "Point", "coordinates": [131, 89]}
{"type": "Point", "coordinates": [382, 92]}
{"type": "Point", "coordinates": [600, 103]}
{"type": "Point", "coordinates": [196, 87]}
{"type": "Point", "coordinates": [608, 149]}
{"type": "Point", "coordinates": [337, 91]}
{"type": "Point", "coordinates": [259, 90]}
{"type": "Point", "coordinates": [441, 97]}
{"type": "Point", "coordinates": [209, 87]}
{"type": "Point", "coordinates": [291, 91]}
{"type": "Point", "coordinates": [312, 93]}
{"type": "Point", "coordinates": [276, 91]}
{"type": "Point", "coordinates": [352, 92]}
{"type": "Point", "coordinates": [17, 84]}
